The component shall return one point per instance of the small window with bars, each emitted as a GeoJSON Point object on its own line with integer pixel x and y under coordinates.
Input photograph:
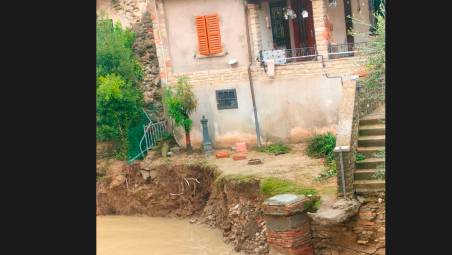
{"type": "Point", "coordinates": [226, 99]}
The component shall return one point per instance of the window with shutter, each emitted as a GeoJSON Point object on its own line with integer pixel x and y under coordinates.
{"type": "Point", "coordinates": [209, 37]}
{"type": "Point", "coordinates": [213, 33]}
{"type": "Point", "coordinates": [203, 42]}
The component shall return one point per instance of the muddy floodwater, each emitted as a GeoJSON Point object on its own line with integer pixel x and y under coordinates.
{"type": "Point", "coordinates": [140, 235]}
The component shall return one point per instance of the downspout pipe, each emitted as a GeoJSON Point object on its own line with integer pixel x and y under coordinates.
{"type": "Point", "coordinates": [250, 78]}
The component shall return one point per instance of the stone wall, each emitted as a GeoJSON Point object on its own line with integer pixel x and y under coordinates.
{"type": "Point", "coordinates": [362, 234]}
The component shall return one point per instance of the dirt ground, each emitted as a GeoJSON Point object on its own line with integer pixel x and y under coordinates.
{"type": "Point", "coordinates": [295, 166]}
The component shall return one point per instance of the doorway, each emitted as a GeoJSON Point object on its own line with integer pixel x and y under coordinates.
{"type": "Point", "coordinates": [304, 35]}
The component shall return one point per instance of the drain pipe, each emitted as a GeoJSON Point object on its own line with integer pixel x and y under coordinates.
{"type": "Point", "coordinates": [250, 78]}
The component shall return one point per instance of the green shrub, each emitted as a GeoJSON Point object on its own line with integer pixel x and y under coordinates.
{"type": "Point", "coordinates": [277, 148]}
{"type": "Point", "coordinates": [322, 146]}
{"type": "Point", "coordinates": [119, 100]}
{"type": "Point", "coordinates": [272, 186]}
{"type": "Point", "coordinates": [181, 102]}
{"type": "Point", "coordinates": [360, 157]}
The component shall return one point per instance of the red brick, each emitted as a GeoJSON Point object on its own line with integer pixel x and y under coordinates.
{"type": "Point", "coordinates": [238, 156]}
{"type": "Point", "coordinates": [222, 154]}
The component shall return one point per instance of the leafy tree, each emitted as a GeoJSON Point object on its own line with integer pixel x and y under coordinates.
{"type": "Point", "coordinates": [119, 100]}
{"type": "Point", "coordinates": [180, 103]}
{"type": "Point", "coordinates": [376, 52]}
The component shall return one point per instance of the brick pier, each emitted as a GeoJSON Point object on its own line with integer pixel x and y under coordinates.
{"type": "Point", "coordinates": [288, 227]}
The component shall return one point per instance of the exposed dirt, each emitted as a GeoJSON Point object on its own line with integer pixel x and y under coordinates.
{"type": "Point", "coordinates": [295, 166]}
{"type": "Point", "coordinates": [176, 190]}
{"type": "Point", "coordinates": [187, 190]}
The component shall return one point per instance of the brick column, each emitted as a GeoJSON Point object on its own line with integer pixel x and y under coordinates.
{"type": "Point", "coordinates": [319, 9]}
{"type": "Point", "coordinates": [158, 17]}
{"type": "Point", "coordinates": [255, 31]}
{"type": "Point", "coordinates": [288, 227]}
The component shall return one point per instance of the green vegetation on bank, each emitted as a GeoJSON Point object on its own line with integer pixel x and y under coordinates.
{"type": "Point", "coordinates": [119, 100]}
{"type": "Point", "coordinates": [277, 148]}
{"type": "Point", "coordinates": [272, 186]}
{"type": "Point", "coordinates": [322, 146]}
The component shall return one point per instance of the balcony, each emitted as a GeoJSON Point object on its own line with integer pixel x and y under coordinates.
{"type": "Point", "coordinates": [344, 50]}
{"type": "Point", "coordinates": [284, 56]}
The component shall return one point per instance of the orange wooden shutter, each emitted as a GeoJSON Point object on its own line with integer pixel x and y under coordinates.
{"type": "Point", "coordinates": [213, 33]}
{"type": "Point", "coordinates": [203, 43]}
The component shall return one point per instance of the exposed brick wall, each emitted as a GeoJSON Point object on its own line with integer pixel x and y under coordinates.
{"type": "Point", "coordinates": [319, 10]}
{"type": "Point", "coordinates": [362, 234]}
{"type": "Point", "coordinates": [334, 67]}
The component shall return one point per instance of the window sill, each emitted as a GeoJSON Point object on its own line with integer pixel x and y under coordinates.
{"type": "Point", "coordinates": [198, 56]}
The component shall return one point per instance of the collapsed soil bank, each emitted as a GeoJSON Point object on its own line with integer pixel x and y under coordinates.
{"type": "Point", "coordinates": [193, 191]}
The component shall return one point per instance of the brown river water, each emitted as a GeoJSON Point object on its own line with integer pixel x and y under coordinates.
{"type": "Point", "coordinates": [141, 235]}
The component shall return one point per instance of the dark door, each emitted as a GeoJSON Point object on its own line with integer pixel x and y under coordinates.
{"type": "Point", "coordinates": [280, 26]}
{"type": "Point", "coordinates": [304, 34]}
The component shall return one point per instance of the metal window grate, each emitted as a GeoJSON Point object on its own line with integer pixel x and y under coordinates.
{"type": "Point", "coordinates": [226, 99]}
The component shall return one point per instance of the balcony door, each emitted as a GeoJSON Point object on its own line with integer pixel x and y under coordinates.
{"type": "Point", "coordinates": [280, 26]}
{"type": "Point", "coordinates": [304, 35]}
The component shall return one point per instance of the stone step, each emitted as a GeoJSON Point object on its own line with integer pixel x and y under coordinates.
{"type": "Point", "coordinates": [364, 174]}
{"type": "Point", "coordinates": [371, 140]}
{"type": "Point", "coordinates": [369, 152]}
{"type": "Point", "coordinates": [369, 163]}
{"type": "Point", "coordinates": [375, 129]}
{"type": "Point", "coordinates": [367, 186]}
{"type": "Point", "coordinates": [372, 119]}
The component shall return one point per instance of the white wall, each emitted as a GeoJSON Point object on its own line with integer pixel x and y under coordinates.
{"type": "Point", "coordinates": [183, 40]}
{"type": "Point", "coordinates": [289, 110]}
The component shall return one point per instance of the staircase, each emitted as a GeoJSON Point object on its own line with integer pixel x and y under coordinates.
{"type": "Point", "coordinates": [371, 144]}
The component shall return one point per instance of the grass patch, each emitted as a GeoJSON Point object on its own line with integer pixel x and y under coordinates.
{"type": "Point", "coordinates": [277, 148]}
{"type": "Point", "coordinates": [272, 186]}
{"type": "Point", "coordinates": [322, 146]}
{"type": "Point", "coordinates": [360, 157]}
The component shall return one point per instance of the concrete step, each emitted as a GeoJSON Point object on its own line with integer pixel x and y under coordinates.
{"type": "Point", "coordinates": [369, 163]}
{"type": "Point", "coordinates": [371, 119]}
{"type": "Point", "coordinates": [375, 129]}
{"type": "Point", "coordinates": [367, 186]}
{"type": "Point", "coordinates": [369, 152]}
{"type": "Point", "coordinates": [371, 140]}
{"type": "Point", "coordinates": [364, 174]}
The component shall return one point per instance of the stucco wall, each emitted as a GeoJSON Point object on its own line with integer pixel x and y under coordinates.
{"type": "Point", "coordinates": [266, 31]}
{"type": "Point", "coordinates": [337, 17]}
{"type": "Point", "coordinates": [182, 35]}
{"type": "Point", "coordinates": [361, 20]}
{"type": "Point", "coordinates": [289, 109]}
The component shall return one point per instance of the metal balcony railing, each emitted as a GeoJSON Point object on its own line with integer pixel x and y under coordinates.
{"type": "Point", "coordinates": [344, 50]}
{"type": "Point", "coordinates": [284, 56]}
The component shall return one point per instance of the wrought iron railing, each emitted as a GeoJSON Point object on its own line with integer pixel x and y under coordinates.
{"type": "Point", "coordinates": [152, 133]}
{"type": "Point", "coordinates": [284, 56]}
{"type": "Point", "coordinates": [344, 50]}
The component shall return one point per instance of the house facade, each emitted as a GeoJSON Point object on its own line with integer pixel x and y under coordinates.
{"type": "Point", "coordinates": [262, 70]}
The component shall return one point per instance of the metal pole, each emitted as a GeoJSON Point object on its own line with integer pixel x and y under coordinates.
{"type": "Point", "coordinates": [250, 78]}
{"type": "Point", "coordinates": [342, 171]}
